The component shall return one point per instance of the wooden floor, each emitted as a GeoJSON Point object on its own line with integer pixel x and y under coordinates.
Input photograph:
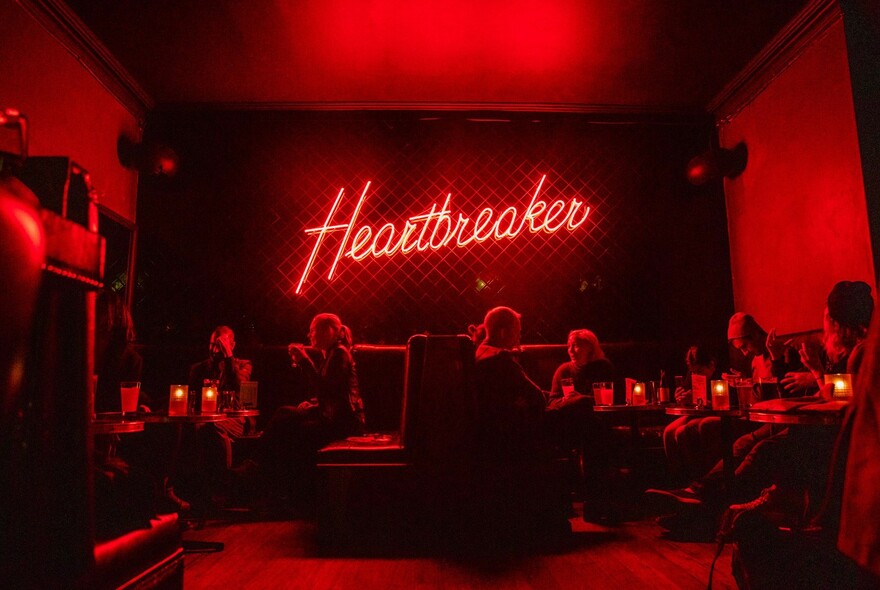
{"type": "Point", "coordinates": [282, 554]}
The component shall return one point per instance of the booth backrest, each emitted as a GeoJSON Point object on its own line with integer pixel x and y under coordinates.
{"type": "Point", "coordinates": [439, 406]}
{"type": "Point", "coordinates": [380, 371]}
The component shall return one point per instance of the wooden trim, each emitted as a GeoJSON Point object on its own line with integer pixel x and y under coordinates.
{"type": "Point", "coordinates": [63, 24]}
{"type": "Point", "coordinates": [780, 52]}
{"type": "Point", "coordinates": [608, 111]}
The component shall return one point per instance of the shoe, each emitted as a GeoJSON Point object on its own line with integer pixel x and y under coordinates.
{"type": "Point", "coordinates": [176, 503]}
{"type": "Point", "coordinates": [247, 469]}
{"type": "Point", "coordinates": [766, 496]}
{"type": "Point", "coordinates": [669, 521]}
{"type": "Point", "coordinates": [686, 495]}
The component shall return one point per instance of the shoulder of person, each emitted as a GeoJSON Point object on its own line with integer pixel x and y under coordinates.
{"type": "Point", "coordinates": [200, 365]}
{"type": "Point", "coordinates": [854, 361]}
{"type": "Point", "coordinates": [566, 367]}
{"type": "Point", "coordinates": [340, 353]}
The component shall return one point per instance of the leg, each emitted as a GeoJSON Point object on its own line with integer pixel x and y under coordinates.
{"type": "Point", "coordinates": [672, 446]}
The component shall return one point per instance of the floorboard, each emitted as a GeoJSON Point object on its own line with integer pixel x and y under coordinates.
{"type": "Point", "coordinates": [282, 554]}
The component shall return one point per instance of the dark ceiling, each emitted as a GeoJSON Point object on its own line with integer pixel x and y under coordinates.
{"type": "Point", "coordinates": [638, 54]}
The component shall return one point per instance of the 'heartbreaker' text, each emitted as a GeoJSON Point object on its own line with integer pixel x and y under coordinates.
{"type": "Point", "coordinates": [440, 228]}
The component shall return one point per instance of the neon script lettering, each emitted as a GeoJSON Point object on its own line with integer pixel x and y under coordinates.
{"type": "Point", "coordinates": [439, 228]}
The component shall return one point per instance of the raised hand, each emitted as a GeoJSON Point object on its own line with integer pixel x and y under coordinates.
{"type": "Point", "coordinates": [798, 381]}
{"type": "Point", "coordinates": [297, 352]}
{"type": "Point", "coordinates": [775, 345]}
{"type": "Point", "coordinates": [810, 357]}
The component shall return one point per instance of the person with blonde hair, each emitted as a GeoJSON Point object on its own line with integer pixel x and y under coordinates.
{"type": "Point", "coordinates": [336, 394]}
{"type": "Point", "coordinates": [332, 410]}
{"type": "Point", "coordinates": [588, 364]}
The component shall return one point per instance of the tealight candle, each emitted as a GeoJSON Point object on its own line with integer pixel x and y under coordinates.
{"type": "Point", "coordinates": [720, 395]}
{"type": "Point", "coordinates": [178, 401]}
{"type": "Point", "coordinates": [638, 396]}
{"type": "Point", "coordinates": [209, 400]}
{"type": "Point", "coordinates": [843, 389]}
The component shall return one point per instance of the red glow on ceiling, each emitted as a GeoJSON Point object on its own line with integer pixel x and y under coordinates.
{"type": "Point", "coordinates": [436, 229]}
{"type": "Point", "coordinates": [452, 38]}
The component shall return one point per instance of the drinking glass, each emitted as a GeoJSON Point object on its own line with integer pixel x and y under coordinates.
{"type": "Point", "coordinates": [606, 393]}
{"type": "Point", "coordinates": [129, 392]}
{"type": "Point", "coordinates": [567, 386]}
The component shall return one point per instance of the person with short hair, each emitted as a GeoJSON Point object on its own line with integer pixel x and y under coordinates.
{"type": "Point", "coordinates": [207, 461]}
{"type": "Point", "coordinates": [518, 422]}
{"type": "Point", "coordinates": [510, 406]}
{"type": "Point", "coordinates": [221, 365]}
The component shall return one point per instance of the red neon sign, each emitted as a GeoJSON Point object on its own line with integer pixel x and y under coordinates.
{"type": "Point", "coordinates": [436, 229]}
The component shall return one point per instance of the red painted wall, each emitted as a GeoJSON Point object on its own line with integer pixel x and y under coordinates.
{"type": "Point", "coordinates": [69, 112]}
{"type": "Point", "coordinates": [797, 216]}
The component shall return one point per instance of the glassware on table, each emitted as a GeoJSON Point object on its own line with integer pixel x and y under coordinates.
{"type": "Point", "coordinates": [567, 384]}
{"type": "Point", "coordinates": [843, 388]}
{"type": "Point", "coordinates": [209, 396]}
{"type": "Point", "coordinates": [639, 395]}
{"type": "Point", "coordinates": [603, 392]}
{"type": "Point", "coordinates": [745, 393]}
{"type": "Point", "coordinates": [768, 388]}
{"type": "Point", "coordinates": [720, 395]}
{"type": "Point", "coordinates": [663, 394]}
{"type": "Point", "coordinates": [651, 393]}
{"type": "Point", "coordinates": [129, 392]}
{"type": "Point", "coordinates": [178, 400]}
{"type": "Point", "coordinates": [229, 400]}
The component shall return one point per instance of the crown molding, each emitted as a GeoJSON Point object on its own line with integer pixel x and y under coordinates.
{"type": "Point", "coordinates": [63, 24]}
{"type": "Point", "coordinates": [809, 25]}
{"type": "Point", "coordinates": [600, 112]}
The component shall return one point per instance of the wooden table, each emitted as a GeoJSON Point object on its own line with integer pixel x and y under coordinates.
{"type": "Point", "coordinates": [104, 426]}
{"type": "Point", "coordinates": [107, 426]}
{"type": "Point", "coordinates": [727, 417]}
{"type": "Point", "coordinates": [185, 419]}
{"type": "Point", "coordinates": [802, 418]}
{"type": "Point", "coordinates": [241, 413]}
{"type": "Point", "coordinates": [634, 413]}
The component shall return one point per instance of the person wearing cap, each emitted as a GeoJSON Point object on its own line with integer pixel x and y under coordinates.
{"type": "Point", "coordinates": [749, 338]}
{"type": "Point", "coordinates": [781, 458]}
{"type": "Point", "coordinates": [769, 358]}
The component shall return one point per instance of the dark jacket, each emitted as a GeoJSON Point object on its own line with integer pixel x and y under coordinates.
{"type": "Point", "coordinates": [510, 407]}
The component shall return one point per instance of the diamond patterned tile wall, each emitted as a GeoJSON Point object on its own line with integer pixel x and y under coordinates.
{"type": "Point", "coordinates": [225, 241]}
